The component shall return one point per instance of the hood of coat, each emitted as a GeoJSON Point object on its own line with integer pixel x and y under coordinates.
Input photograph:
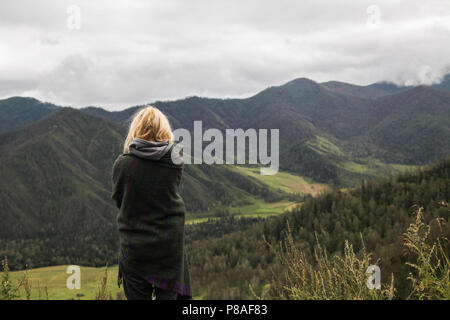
{"type": "Point", "coordinates": [149, 149]}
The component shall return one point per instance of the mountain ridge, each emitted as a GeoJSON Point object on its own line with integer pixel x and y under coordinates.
{"type": "Point", "coordinates": [306, 111]}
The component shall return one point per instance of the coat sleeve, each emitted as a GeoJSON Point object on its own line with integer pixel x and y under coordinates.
{"type": "Point", "coordinates": [117, 190]}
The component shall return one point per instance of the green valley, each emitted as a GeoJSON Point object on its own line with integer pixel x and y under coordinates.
{"type": "Point", "coordinates": [230, 258]}
{"type": "Point", "coordinates": [55, 178]}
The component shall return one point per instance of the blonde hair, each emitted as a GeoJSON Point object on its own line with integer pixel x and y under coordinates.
{"type": "Point", "coordinates": [149, 124]}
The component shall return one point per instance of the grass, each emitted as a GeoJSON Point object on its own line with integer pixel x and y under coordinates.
{"type": "Point", "coordinates": [344, 276]}
{"type": "Point", "coordinates": [325, 278]}
{"type": "Point", "coordinates": [94, 284]}
{"type": "Point", "coordinates": [320, 277]}
{"type": "Point", "coordinates": [263, 208]}
{"type": "Point", "coordinates": [295, 184]}
{"type": "Point", "coordinates": [285, 181]}
{"type": "Point", "coordinates": [373, 167]}
{"type": "Point", "coordinates": [324, 146]}
{"type": "Point", "coordinates": [257, 207]}
{"type": "Point", "coordinates": [352, 170]}
{"type": "Point", "coordinates": [430, 275]}
{"type": "Point", "coordinates": [53, 280]}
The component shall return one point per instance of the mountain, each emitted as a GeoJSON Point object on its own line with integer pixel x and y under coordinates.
{"type": "Point", "coordinates": [55, 163]}
{"type": "Point", "coordinates": [323, 133]}
{"type": "Point", "coordinates": [55, 199]}
{"type": "Point", "coordinates": [18, 112]}
{"type": "Point", "coordinates": [444, 85]}
{"type": "Point", "coordinates": [333, 132]}
{"type": "Point", "coordinates": [55, 177]}
{"type": "Point", "coordinates": [114, 116]}
{"type": "Point", "coordinates": [367, 92]}
{"type": "Point", "coordinates": [378, 89]}
{"type": "Point", "coordinates": [388, 87]}
{"type": "Point", "coordinates": [413, 126]}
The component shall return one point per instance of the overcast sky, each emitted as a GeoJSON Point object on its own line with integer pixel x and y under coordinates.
{"type": "Point", "coordinates": [120, 53]}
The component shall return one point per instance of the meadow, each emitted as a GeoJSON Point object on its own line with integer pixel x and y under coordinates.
{"type": "Point", "coordinates": [51, 283]}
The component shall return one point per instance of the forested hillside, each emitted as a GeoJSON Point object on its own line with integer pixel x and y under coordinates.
{"type": "Point", "coordinates": [17, 112]}
{"type": "Point", "coordinates": [55, 162]}
{"type": "Point", "coordinates": [55, 182]}
{"type": "Point", "coordinates": [333, 132]}
{"type": "Point", "coordinates": [380, 211]}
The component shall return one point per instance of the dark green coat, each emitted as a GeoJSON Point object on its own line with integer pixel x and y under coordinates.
{"type": "Point", "coordinates": [151, 221]}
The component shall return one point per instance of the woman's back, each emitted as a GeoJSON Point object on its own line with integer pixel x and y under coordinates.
{"type": "Point", "coordinates": [151, 216]}
{"type": "Point", "coordinates": [151, 211]}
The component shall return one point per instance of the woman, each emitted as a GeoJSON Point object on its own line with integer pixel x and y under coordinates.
{"type": "Point", "coordinates": [151, 212]}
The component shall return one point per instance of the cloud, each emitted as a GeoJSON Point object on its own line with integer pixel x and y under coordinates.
{"type": "Point", "coordinates": [133, 52]}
